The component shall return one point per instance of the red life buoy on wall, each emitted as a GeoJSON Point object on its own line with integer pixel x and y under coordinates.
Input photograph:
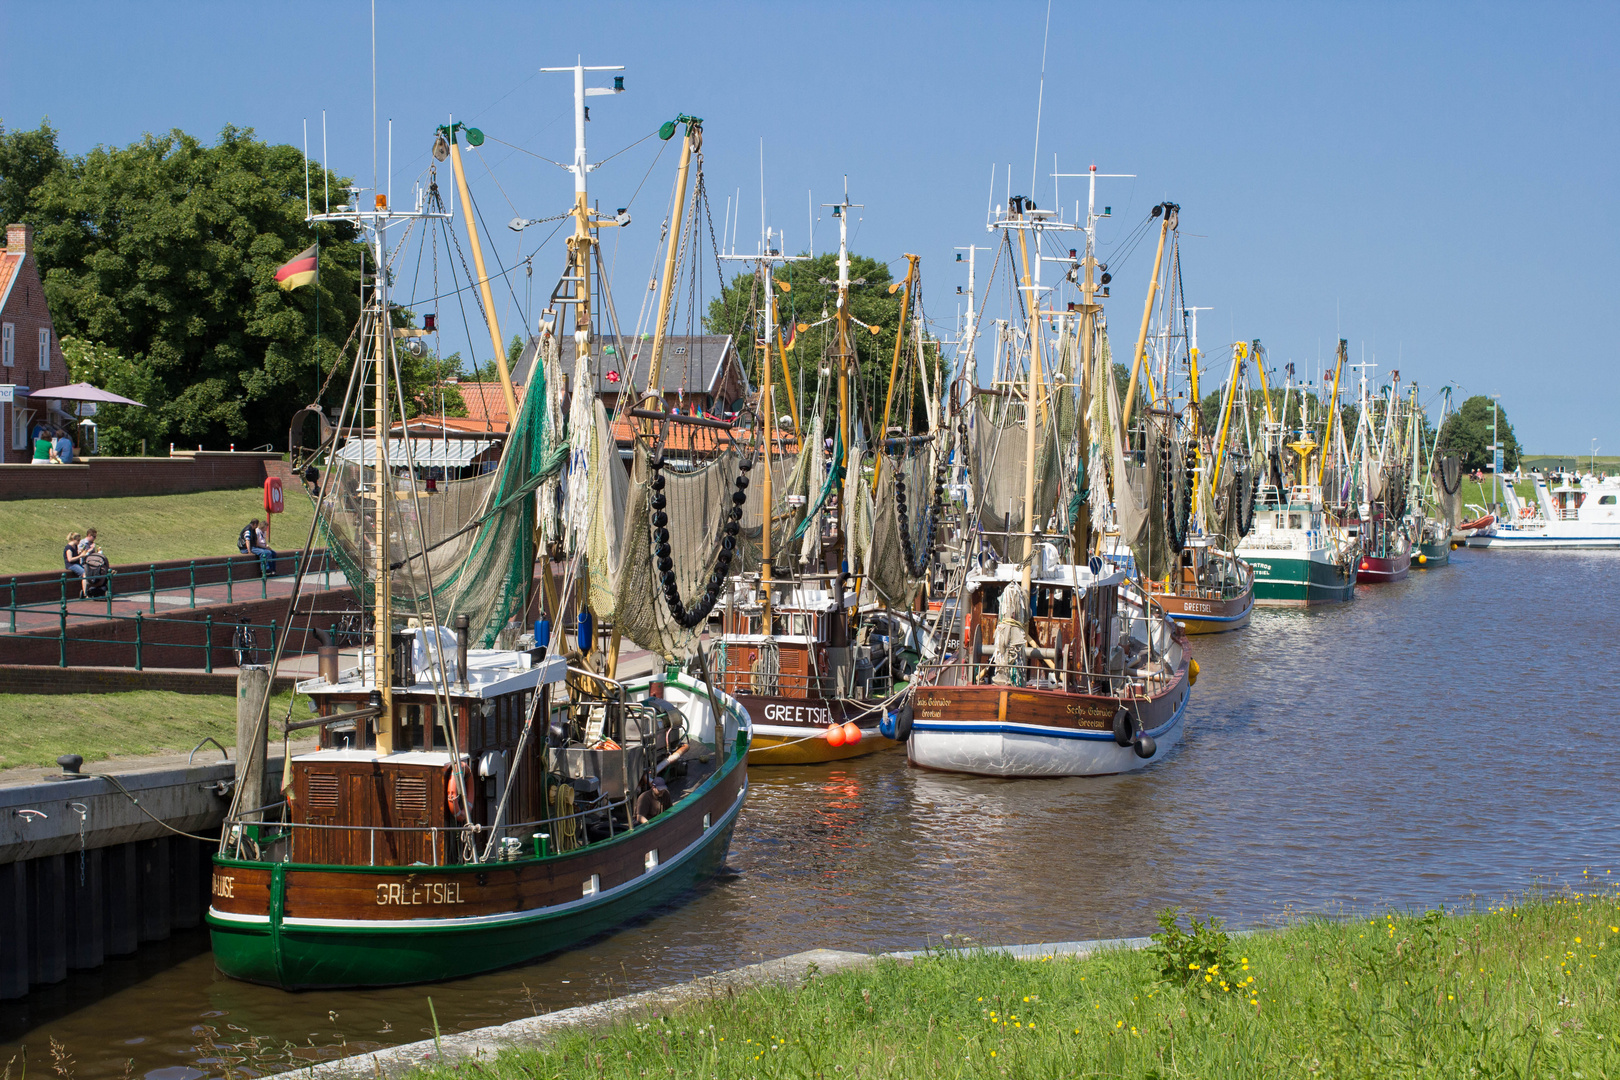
{"type": "Point", "coordinates": [272, 495]}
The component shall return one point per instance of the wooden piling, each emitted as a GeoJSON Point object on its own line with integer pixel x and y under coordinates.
{"type": "Point", "coordinates": [252, 735]}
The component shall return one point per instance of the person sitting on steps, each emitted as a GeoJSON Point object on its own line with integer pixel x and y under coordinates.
{"type": "Point", "coordinates": [73, 560]}
{"type": "Point", "coordinates": [253, 541]}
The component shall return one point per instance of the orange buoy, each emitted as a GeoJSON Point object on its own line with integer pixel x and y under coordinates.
{"type": "Point", "coordinates": [852, 734]}
{"type": "Point", "coordinates": [835, 735]}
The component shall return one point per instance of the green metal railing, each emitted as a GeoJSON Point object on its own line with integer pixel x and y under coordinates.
{"type": "Point", "coordinates": [256, 640]}
{"type": "Point", "coordinates": [181, 578]}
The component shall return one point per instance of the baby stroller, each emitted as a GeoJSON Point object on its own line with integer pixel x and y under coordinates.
{"type": "Point", "coordinates": [97, 575]}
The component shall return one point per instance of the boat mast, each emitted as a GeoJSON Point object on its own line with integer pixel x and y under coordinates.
{"type": "Point", "coordinates": [475, 138]}
{"type": "Point", "coordinates": [1032, 287]}
{"type": "Point", "coordinates": [373, 225]}
{"type": "Point", "coordinates": [1333, 412]}
{"type": "Point", "coordinates": [894, 366]}
{"type": "Point", "coordinates": [1168, 212]}
{"type": "Point", "coordinates": [692, 141]}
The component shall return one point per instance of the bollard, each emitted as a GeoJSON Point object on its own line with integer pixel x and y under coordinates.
{"type": "Point", "coordinates": [252, 737]}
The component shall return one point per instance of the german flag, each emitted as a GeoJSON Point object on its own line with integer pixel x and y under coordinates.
{"type": "Point", "coordinates": [299, 270]}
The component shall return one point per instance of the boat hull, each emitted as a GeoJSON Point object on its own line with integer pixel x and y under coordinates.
{"type": "Point", "coordinates": [299, 926]}
{"type": "Point", "coordinates": [1383, 569]}
{"type": "Point", "coordinates": [1299, 579]}
{"type": "Point", "coordinates": [793, 731]}
{"type": "Point", "coordinates": [1198, 615]}
{"type": "Point", "coordinates": [1434, 554]}
{"type": "Point", "coordinates": [989, 730]}
{"type": "Point", "coordinates": [1537, 539]}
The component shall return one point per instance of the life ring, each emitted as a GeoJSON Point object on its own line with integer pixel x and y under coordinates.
{"type": "Point", "coordinates": [453, 782]}
{"type": "Point", "coordinates": [1524, 511]}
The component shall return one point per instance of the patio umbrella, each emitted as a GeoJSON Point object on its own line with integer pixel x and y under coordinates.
{"type": "Point", "coordinates": [83, 392]}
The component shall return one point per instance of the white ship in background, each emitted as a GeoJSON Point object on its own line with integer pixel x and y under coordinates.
{"type": "Point", "coordinates": [1583, 514]}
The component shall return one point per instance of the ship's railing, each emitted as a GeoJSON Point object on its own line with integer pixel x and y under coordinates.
{"type": "Point", "coordinates": [957, 672]}
{"type": "Point", "coordinates": [249, 835]}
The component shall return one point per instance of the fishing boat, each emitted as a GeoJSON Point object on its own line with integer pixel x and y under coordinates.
{"type": "Point", "coordinates": [1300, 553]}
{"type": "Point", "coordinates": [1056, 667]}
{"type": "Point", "coordinates": [819, 639]}
{"type": "Point", "coordinates": [475, 801]}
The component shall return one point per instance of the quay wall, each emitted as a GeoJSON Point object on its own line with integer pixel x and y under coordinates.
{"type": "Point", "coordinates": [87, 873]}
{"type": "Point", "coordinates": [184, 472]}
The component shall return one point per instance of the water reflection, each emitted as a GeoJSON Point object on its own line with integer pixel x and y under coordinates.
{"type": "Point", "coordinates": [1445, 737]}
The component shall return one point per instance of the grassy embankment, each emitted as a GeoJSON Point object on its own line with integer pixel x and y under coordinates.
{"type": "Point", "coordinates": [1522, 990]}
{"type": "Point", "coordinates": [143, 528]}
{"type": "Point", "coordinates": [36, 728]}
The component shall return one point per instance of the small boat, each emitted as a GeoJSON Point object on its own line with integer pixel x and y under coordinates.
{"type": "Point", "coordinates": [1300, 554]}
{"type": "Point", "coordinates": [1211, 591]}
{"type": "Point", "coordinates": [1101, 689]}
{"type": "Point", "coordinates": [1054, 667]}
{"type": "Point", "coordinates": [1580, 512]}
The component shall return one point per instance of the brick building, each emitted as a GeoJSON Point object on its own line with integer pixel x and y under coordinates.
{"type": "Point", "coordinates": [30, 355]}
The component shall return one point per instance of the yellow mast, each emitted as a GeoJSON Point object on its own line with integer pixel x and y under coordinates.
{"type": "Point", "coordinates": [478, 264]}
{"type": "Point", "coordinates": [1265, 388]}
{"type": "Point", "coordinates": [894, 366]}
{"type": "Point", "coordinates": [767, 402]}
{"type": "Point", "coordinates": [693, 140]}
{"type": "Point", "coordinates": [787, 379]}
{"type": "Point", "coordinates": [1167, 211]}
{"type": "Point", "coordinates": [1239, 351]}
{"type": "Point", "coordinates": [1333, 412]}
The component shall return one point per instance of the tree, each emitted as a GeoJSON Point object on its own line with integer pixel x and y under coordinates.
{"type": "Point", "coordinates": [26, 159]}
{"type": "Point", "coordinates": [120, 429]}
{"type": "Point", "coordinates": [812, 295]}
{"type": "Point", "coordinates": [165, 252]}
{"type": "Point", "coordinates": [1468, 432]}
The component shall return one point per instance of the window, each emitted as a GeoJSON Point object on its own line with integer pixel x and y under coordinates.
{"type": "Point", "coordinates": [19, 426]}
{"type": "Point", "coordinates": [1607, 500]}
{"type": "Point", "coordinates": [8, 344]}
{"type": "Point", "coordinates": [1293, 521]}
{"type": "Point", "coordinates": [44, 350]}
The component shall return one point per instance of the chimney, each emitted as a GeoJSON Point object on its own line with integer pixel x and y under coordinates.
{"type": "Point", "coordinates": [19, 239]}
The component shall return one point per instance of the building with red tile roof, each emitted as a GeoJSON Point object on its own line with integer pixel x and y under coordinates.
{"type": "Point", "coordinates": [30, 355]}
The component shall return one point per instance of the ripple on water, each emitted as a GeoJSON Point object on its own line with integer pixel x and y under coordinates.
{"type": "Point", "coordinates": [1448, 737]}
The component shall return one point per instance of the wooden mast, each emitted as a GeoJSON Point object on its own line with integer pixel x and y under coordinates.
{"type": "Point", "coordinates": [1333, 412]}
{"type": "Point", "coordinates": [382, 631]}
{"type": "Point", "coordinates": [767, 402]}
{"type": "Point", "coordinates": [1030, 419]}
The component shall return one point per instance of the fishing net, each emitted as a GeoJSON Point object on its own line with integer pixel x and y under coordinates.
{"type": "Point", "coordinates": [598, 488]}
{"type": "Point", "coordinates": [796, 480]}
{"type": "Point", "coordinates": [997, 452]}
{"type": "Point", "coordinates": [1448, 477]}
{"type": "Point", "coordinates": [699, 479]}
{"type": "Point", "coordinates": [901, 537]}
{"type": "Point", "coordinates": [478, 533]}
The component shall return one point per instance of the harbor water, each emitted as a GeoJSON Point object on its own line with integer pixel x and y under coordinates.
{"type": "Point", "coordinates": [1450, 739]}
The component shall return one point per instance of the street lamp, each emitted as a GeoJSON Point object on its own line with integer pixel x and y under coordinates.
{"type": "Point", "coordinates": [1496, 454]}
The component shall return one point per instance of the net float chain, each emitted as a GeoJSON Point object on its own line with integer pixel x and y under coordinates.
{"type": "Point", "coordinates": [689, 618]}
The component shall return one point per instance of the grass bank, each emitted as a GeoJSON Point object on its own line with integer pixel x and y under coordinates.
{"type": "Point", "coordinates": [1523, 990]}
{"type": "Point", "coordinates": [35, 729]}
{"type": "Point", "coordinates": [143, 528]}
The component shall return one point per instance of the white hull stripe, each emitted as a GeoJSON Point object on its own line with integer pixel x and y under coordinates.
{"type": "Point", "coordinates": [1045, 732]}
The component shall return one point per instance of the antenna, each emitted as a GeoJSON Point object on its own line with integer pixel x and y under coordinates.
{"type": "Point", "coordinates": [373, 95]}
{"type": "Point", "coordinates": [810, 213]}
{"type": "Point", "coordinates": [306, 166]}
{"type": "Point", "coordinates": [326, 172]}
{"type": "Point", "coordinates": [762, 233]}
{"type": "Point", "coordinates": [1040, 99]}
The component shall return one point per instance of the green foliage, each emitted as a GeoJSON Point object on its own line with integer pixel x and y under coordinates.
{"type": "Point", "coordinates": [1468, 432]}
{"type": "Point", "coordinates": [740, 310]}
{"type": "Point", "coordinates": [1198, 959]}
{"type": "Point", "coordinates": [26, 159]}
{"type": "Point", "coordinates": [164, 251]}
{"type": "Point", "coordinates": [424, 380]}
{"type": "Point", "coordinates": [120, 429]}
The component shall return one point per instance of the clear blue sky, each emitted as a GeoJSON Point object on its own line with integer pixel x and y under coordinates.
{"type": "Point", "coordinates": [1435, 182]}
